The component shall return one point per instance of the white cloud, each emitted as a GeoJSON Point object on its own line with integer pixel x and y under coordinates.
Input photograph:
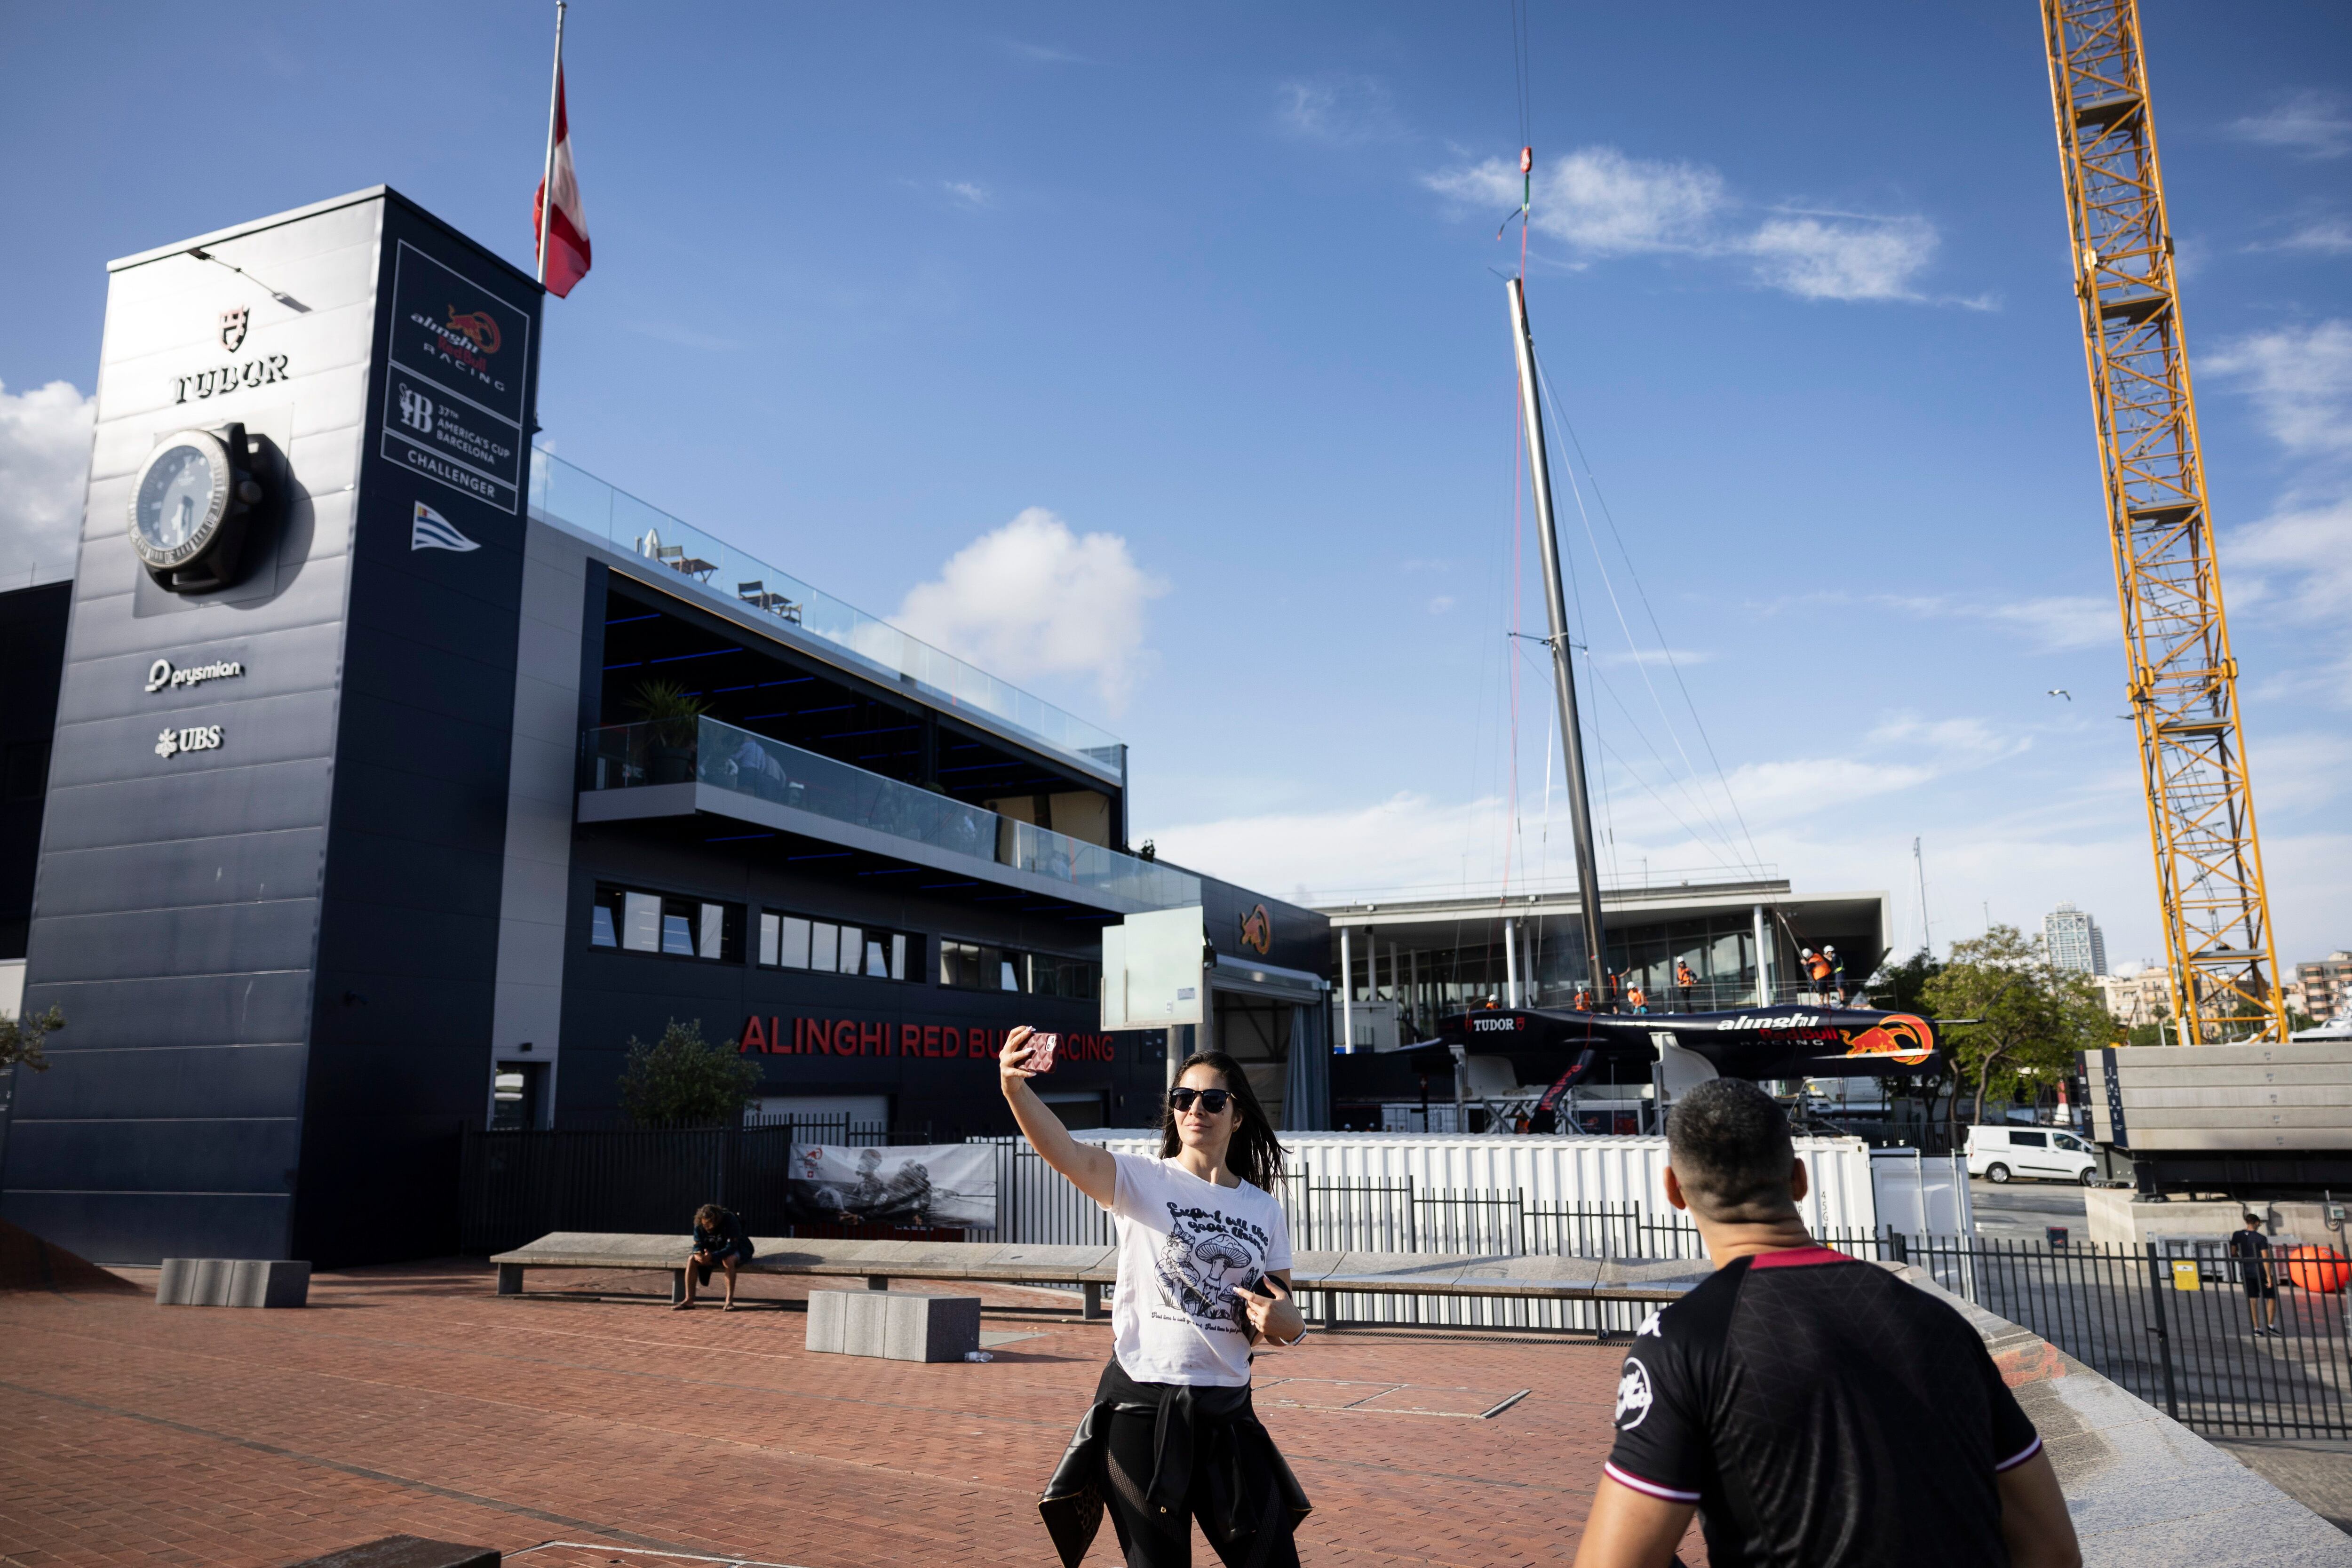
{"type": "Point", "coordinates": [1440, 605]}
{"type": "Point", "coordinates": [1599, 201]}
{"type": "Point", "coordinates": [1603, 203]}
{"type": "Point", "coordinates": [2314, 124]}
{"type": "Point", "coordinates": [2300, 559]}
{"type": "Point", "coordinates": [43, 467]}
{"type": "Point", "coordinates": [1033, 598]}
{"type": "Point", "coordinates": [1042, 54]}
{"type": "Point", "coordinates": [1338, 109]}
{"type": "Point", "coordinates": [971, 192]}
{"type": "Point", "coordinates": [2061, 623]}
{"type": "Point", "coordinates": [2301, 381]}
{"type": "Point", "coordinates": [1412, 842]}
{"type": "Point", "coordinates": [2322, 237]}
{"type": "Point", "coordinates": [1813, 259]}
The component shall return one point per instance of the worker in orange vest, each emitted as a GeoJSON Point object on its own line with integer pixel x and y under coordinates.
{"type": "Point", "coordinates": [1636, 998]}
{"type": "Point", "coordinates": [1818, 968]}
{"type": "Point", "coordinates": [1683, 983]}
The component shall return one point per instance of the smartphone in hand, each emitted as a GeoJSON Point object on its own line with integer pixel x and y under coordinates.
{"type": "Point", "coordinates": [1041, 1052]}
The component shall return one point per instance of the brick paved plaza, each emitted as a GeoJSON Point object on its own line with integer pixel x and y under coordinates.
{"type": "Point", "coordinates": [414, 1399]}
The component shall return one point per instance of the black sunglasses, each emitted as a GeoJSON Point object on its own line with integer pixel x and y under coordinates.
{"type": "Point", "coordinates": [1213, 1100]}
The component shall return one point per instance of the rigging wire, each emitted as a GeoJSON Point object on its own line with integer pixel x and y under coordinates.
{"type": "Point", "coordinates": [1705, 809]}
{"type": "Point", "coordinates": [1649, 611]}
{"type": "Point", "coordinates": [1667, 770]}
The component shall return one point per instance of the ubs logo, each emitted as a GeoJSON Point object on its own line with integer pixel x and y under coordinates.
{"type": "Point", "coordinates": [203, 738]}
{"type": "Point", "coordinates": [233, 323]}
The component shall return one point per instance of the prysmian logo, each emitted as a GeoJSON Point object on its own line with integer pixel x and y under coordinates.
{"type": "Point", "coordinates": [1492, 1026]}
{"type": "Point", "coordinates": [203, 738]}
{"type": "Point", "coordinates": [161, 674]}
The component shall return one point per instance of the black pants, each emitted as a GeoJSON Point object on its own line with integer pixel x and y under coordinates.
{"type": "Point", "coordinates": [1151, 1539]}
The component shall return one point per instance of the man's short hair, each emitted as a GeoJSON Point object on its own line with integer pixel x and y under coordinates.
{"type": "Point", "coordinates": [1728, 1144]}
{"type": "Point", "coordinates": [2252, 1223]}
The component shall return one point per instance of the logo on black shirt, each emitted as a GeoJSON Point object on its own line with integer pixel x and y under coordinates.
{"type": "Point", "coordinates": [1632, 1395]}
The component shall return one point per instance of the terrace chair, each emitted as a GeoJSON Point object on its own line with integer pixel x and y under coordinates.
{"type": "Point", "coordinates": [755, 593]}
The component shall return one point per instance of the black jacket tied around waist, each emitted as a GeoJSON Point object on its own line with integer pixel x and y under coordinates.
{"type": "Point", "coordinates": [1204, 1440]}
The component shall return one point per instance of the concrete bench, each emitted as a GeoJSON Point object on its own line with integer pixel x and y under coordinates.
{"type": "Point", "coordinates": [1331, 1275]}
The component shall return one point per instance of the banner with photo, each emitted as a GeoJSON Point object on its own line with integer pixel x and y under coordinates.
{"type": "Point", "coordinates": [945, 1184]}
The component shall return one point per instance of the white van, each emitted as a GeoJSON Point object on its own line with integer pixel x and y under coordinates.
{"type": "Point", "coordinates": [1997, 1154]}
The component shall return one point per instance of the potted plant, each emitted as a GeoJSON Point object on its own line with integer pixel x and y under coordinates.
{"type": "Point", "coordinates": [672, 716]}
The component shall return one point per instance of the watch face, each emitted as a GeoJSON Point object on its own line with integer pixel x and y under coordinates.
{"type": "Point", "coordinates": [180, 497]}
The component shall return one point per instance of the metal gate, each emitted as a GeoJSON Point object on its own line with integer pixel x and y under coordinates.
{"type": "Point", "coordinates": [2177, 1326]}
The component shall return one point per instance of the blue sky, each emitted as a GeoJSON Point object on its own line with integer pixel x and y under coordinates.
{"type": "Point", "coordinates": [1160, 361]}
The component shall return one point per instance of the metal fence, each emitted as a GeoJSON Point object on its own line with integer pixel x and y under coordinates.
{"type": "Point", "coordinates": [515, 1186]}
{"type": "Point", "coordinates": [2175, 1325]}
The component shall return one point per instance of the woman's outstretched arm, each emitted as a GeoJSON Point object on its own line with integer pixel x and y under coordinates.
{"type": "Point", "coordinates": [1091, 1170]}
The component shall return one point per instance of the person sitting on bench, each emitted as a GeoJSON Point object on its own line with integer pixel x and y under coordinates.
{"type": "Point", "coordinates": [719, 1242]}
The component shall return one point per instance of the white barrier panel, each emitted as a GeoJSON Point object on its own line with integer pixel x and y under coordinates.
{"type": "Point", "coordinates": [1551, 1170]}
{"type": "Point", "coordinates": [1482, 1194]}
{"type": "Point", "coordinates": [1921, 1195]}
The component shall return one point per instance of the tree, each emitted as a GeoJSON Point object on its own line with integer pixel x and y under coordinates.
{"type": "Point", "coordinates": [683, 1077]}
{"type": "Point", "coordinates": [1901, 987]}
{"type": "Point", "coordinates": [2025, 1016]}
{"type": "Point", "coordinates": [20, 1039]}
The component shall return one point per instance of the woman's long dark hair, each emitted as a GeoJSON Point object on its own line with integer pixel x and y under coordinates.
{"type": "Point", "coordinates": [1255, 1154]}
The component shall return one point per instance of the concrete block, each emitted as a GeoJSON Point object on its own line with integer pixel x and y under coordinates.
{"type": "Point", "coordinates": [272, 1282]}
{"type": "Point", "coordinates": [233, 1282]}
{"type": "Point", "coordinates": [893, 1325]}
{"type": "Point", "coordinates": [929, 1328]}
{"type": "Point", "coordinates": [865, 1328]}
{"type": "Point", "coordinates": [826, 1318]}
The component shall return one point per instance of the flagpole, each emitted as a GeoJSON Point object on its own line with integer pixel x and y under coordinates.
{"type": "Point", "coordinates": [546, 173]}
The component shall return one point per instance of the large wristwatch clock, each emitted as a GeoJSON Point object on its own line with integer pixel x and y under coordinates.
{"type": "Point", "coordinates": [190, 507]}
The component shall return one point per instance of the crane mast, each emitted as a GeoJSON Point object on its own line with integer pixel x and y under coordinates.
{"type": "Point", "coordinates": [2183, 682]}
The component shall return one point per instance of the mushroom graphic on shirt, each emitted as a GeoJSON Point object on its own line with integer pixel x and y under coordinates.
{"type": "Point", "coordinates": [1222, 1263]}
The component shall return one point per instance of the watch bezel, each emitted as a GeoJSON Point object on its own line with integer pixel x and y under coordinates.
{"type": "Point", "coordinates": [207, 531]}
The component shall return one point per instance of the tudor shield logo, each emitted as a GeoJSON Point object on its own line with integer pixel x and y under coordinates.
{"type": "Point", "coordinates": [431, 531]}
{"type": "Point", "coordinates": [233, 323]}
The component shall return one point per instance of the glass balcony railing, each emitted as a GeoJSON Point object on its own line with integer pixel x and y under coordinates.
{"type": "Point", "coordinates": [706, 752]}
{"type": "Point", "coordinates": [567, 496]}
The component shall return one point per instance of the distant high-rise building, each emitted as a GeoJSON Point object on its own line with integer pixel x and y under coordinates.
{"type": "Point", "coordinates": [2073, 940]}
{"type": "Point", "coordinates": [2326, 984]}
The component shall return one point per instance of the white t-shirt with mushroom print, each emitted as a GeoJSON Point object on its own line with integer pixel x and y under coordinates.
{"type": "Point", "coordinates": [1183, 1244]}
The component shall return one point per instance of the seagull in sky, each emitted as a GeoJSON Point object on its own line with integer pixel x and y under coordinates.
{"type": "Point", "coordinates": [2061, 691]}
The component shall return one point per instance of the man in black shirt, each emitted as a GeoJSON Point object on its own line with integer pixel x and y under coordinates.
{"type": "Point", "coordinates": [2253, 1249]}
{"type": "Point", "coordinates": [1815, 1410]}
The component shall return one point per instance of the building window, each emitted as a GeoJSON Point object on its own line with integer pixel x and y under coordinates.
{"type": "Point", "coordinates": [978, 966]}
{"type": "Point", "coordinates": [665, 923]}
{"type": "Point", "coordinates": [828, 947]}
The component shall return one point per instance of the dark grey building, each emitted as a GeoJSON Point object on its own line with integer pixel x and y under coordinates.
{"type": "Point", "coordinates": [392, 759]}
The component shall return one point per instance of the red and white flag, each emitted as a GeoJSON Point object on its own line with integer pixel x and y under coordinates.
{"type": "Point", "coordinates": [566, 261]}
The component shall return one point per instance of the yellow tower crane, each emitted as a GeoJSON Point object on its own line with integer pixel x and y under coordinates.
{"type": "Point", "coordinates": [2183, 682]}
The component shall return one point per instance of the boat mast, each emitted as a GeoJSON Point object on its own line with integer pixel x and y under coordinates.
{"type": "Point", "coordinates": [1563, 674]}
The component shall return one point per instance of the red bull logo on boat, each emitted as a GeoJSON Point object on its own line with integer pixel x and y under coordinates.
{"type": "Point", "coordinates": [1902, 1036]}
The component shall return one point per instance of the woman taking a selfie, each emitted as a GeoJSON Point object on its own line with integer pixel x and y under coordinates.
{"type": "Point", "coordinates": [1204, 1276]}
